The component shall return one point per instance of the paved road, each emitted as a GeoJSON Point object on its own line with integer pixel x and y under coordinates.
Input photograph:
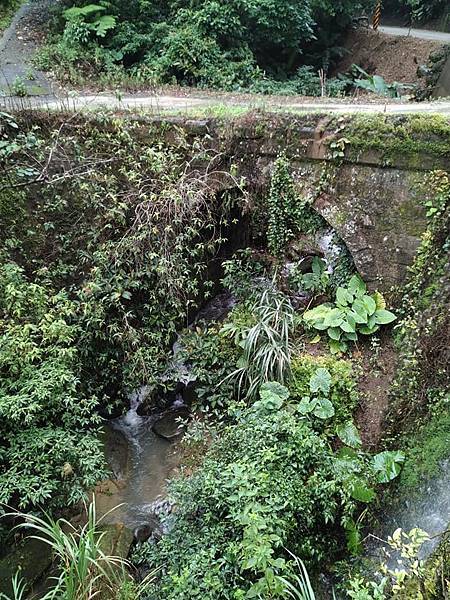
{"type": "Point", "coordinates": [190, 104]}
{"type": "Point", "coordinates": [423, 34]}
{"type": "Point", "coordinates": [17, 48]}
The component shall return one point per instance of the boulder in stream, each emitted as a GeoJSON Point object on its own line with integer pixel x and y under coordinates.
{"type": "Point", "coordinates": [168, 425]}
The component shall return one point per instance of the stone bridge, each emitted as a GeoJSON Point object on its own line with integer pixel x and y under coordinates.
{"type": "Point", "coordinates": [363, 174]}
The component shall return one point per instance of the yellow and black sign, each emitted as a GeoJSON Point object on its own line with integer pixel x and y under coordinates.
{"type": "Point", "coordinates": [377, 15]}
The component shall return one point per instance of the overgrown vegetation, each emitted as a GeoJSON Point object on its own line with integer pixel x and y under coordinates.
{"type": "Point", "coordinates": [7, 10]}
{"type": "Point", "coordinates": [112, 240]}
{"type": "Point", "coordinates": [231, 45]}
{"type": "Point", "coordinates": [89, 311]}
{"type": "Point", "coordinates": [268, 482]}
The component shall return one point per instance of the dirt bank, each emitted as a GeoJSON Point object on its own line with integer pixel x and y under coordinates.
{"type": "Point", "coordinates": [394, 58]}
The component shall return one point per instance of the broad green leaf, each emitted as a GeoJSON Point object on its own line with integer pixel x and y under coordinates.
{"type": "Point", "coordinates": [361, 491]}
{"type": "Point", "coordinates": [334, 333]}
{"type": "Point", "coordinates": [388, 465]}
{"type": "Point", "coordinates": [351, 337]}
{"type": "Point", "coordinates": [342, 296]}
{"type": "Point", "coordinates": [334, 318]}
{"type": "Point", "coordinates": [320, 381]}
{"type": "Point", "coordinates": [383, 317]}
{"type": "Point", "coordinates": [324, 409]}
{"type": "Point", "coordinates": [315, 340]}
{"type": "Point", "coordinates": [358, 317]}
{"type": "Point", "coordinates": [369, 304]}
{"type": "Point", "coordinates": [349, 325]}
{"type": "Point", "coordinates": [319, 312]}
{"type": "Point", "coordinates": [369, 330]}
{"type": "Point", "coordinates": [305, 406]}
{"type": "Point", "coordinates": [359, 308]}
{"type": "Point", "coordinates": [356, 285]}
{"type": "Point", "coordinates": [349, 435]}
{"type": "Point", "coordinates": [371, 322]}
{"type": "Point", "coordinates": [337, 347]}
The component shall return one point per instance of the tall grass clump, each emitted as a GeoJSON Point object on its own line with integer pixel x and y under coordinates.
{"type": "Point", "coordinates": [265, 343]}
{"type": "Point", "coordinates": [84, 570]}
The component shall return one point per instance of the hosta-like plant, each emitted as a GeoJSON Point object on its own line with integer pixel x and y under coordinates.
{"type": "Point", "coordinates": [354, 311]}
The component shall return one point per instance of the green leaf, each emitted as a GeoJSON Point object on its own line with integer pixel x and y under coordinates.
{"type": "Point", "coordinates": [383, 317]}
{"type": "Point", "coordinates": [343, 297]}
{"type": "Point", "coordinates": [356, 285]}
{"type": "Point", "coordinates": [351, 337]}
{"type": "Point", "coordinates": [337, 347]}
{"type": "Point", "coordinates": [320, 381]}
{"type": "Point", "coordinates": [272, 395]}
{"type": "Point", "coordinates": [334, 318]}
{"type": "Point", "coordinates": [349, 435]}
{"type": "Point", "coordinates": [361, 491]}
{"type": "Point", "coordinates": [104, 24]}
{"type": "Point", "coordinates": [387, 465]}
{"type": "Point", "coordinates": [324, 409]}
{"type": "Point", "coordinates": [349, 325]}
{"type": "Point", "coordinates": [305, 406]}
{"type": "Point", "coordinates": [369, 304]}
{"type": "Point", "coordinates": [353, 535]}
{"type": "Point", "coordinates": [273, 388]}
{"type": "Point", "coordinates": [334, 333]}
{"type": "Point", "coordinates": [360, 309]}
{"type": "Point", "coordinates": [369, 330]}
{"type": "Point", "coordinates": [358, 317]}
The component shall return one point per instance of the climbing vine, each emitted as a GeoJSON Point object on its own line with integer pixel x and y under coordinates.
{"type": "Point", "coordinates": [288, 213]}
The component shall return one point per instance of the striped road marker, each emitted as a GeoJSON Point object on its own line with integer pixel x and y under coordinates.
{"type": "Point", "coordinates": [377, 15]}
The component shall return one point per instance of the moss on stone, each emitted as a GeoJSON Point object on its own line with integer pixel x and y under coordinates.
{"type": "Point", "coordinates": [404, 138]}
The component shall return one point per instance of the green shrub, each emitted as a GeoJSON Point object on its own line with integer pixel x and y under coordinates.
{"type": "Point", "coordinates": [354, 311]}
{"type": "Point", "coordinates": [48, 455]}
{"type": "Point", "coordinates": [343, 392]}
{"type": "Point", "coordinates": [215, 43]}
{"type": "Point", "coordinates": [211, 357]}
{"type": "Point", "coordinates": [268, 482]}
{"type": "Point", "coordinates": [264, 343]}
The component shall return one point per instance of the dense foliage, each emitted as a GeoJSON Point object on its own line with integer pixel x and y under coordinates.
{"type": "Point", "coordinates": [88, 311]}
{"type": "Point", "coordinates": [269, 482]}
{"type": "Point", "coordinates": [421, 11]}
{"type": "Point", "coordinates": [47, 456]}
{"type": "Point", "coordinates": [225, 44]}
{"type": "Point", "coordinates": [110, 241]}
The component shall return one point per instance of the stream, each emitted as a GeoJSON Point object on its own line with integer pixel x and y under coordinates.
{"type": "Point", "coordinates": [142, 450]}
{"type": "Point", "coordinates": [429, 510]}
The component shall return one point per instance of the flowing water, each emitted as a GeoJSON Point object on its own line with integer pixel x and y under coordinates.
{"type": "Point", "coordinates": [142, 475]}
{"type": "Point", "coordinates": [429, 510]}
{"type": "Point", "coordinates": [141, 460]}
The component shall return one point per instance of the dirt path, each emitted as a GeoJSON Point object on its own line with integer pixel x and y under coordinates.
{"type": "Point", "coordinates": [17, 47]}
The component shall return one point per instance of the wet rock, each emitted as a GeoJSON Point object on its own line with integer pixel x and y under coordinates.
{"type": "Point", "coordinates": [152, 529]}
{"type": "Point", "coordinates": [117, 452]}
{"type": "Point", "coordinates": [169, 425]}
{"type": "Point", "coordinates": [116, 540]}
{"type": "Point", "coordinates": [32, 557]}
